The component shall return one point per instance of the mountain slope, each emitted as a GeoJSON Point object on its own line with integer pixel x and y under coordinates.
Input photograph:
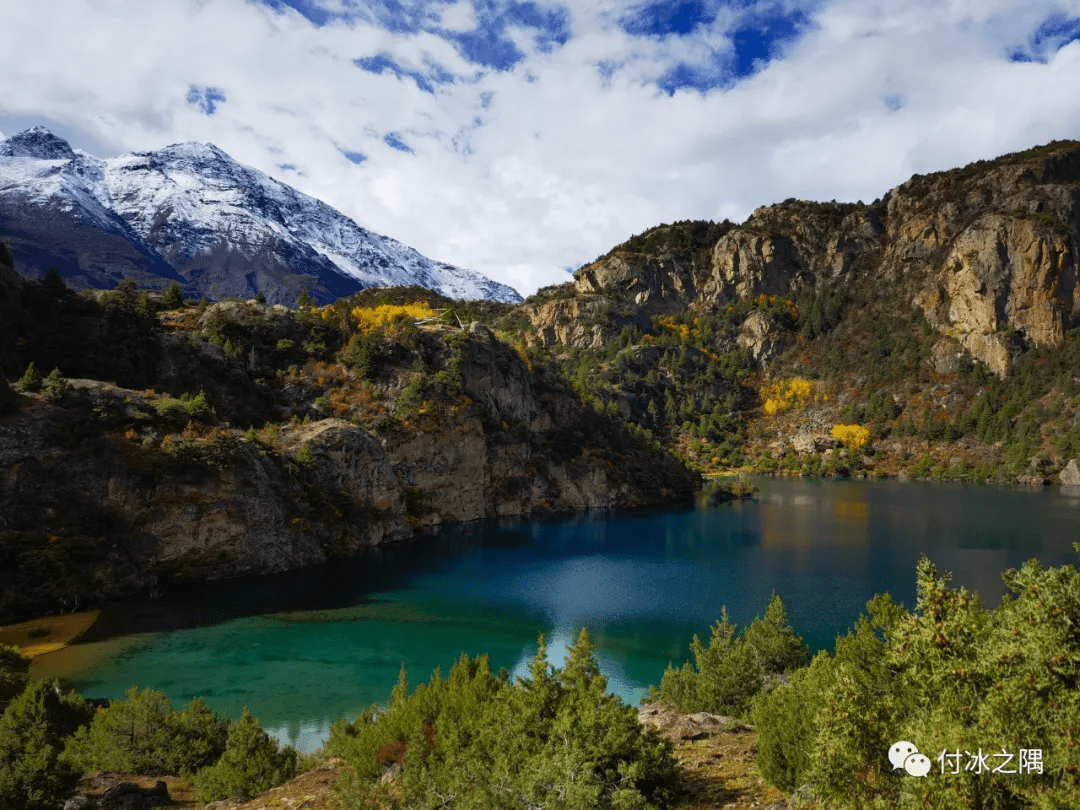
{"type": "Point", "coordinates": [943, 319]}
{"type": "Point", "coordinates": [190, 213]}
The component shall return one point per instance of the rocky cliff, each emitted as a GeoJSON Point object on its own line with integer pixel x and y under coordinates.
{"type": "Point", "coordinates": [136, 470]}
{"type": "Point", "coordinates": [987, 252]}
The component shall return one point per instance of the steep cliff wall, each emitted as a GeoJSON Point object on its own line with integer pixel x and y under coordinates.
{"type": "Point", "coordinates": [108, 490]}
{"type": "Point", "coordinates": [988, 253]}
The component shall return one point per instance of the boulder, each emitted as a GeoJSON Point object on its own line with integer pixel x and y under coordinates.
{"type": "Point", "coordinates": [77, 802]}
{"type": "Point", "coordinates": [673, 725]}
{"type": "Point", "coordinates": [1070, 476]}
{"type": "Point", "coordinates": [804, 443]}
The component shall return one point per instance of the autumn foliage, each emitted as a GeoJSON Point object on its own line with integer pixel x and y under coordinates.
{"type": "Point", "coordinates": [854, 436]}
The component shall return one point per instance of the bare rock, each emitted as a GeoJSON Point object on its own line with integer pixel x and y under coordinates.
{"type": "Point", "coordinates": [77, 802]}
{"type": "Point", "coordinates": [675, 726]}
{"type": "Point", "coordinates": [1070, 476]}
{"type": "Point", "coordinates": [803, 443]}
{"type": "Point", "coordinates": [763, 338]}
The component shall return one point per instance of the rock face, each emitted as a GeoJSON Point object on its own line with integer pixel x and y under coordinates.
{"type": "Point", "coordinates": [988, 253]}
{"type": "Point", "coordinates": [1070, 476]}
{"type": "Point", "coordinates": [163, 508]}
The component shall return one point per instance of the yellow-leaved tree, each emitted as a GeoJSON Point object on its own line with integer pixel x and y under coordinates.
{"type": "Point", "coordinates": [854, 436]}
{"type": "Point", "coordinates": [372, 317]}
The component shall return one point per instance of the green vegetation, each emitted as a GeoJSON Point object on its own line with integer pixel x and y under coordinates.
{"type": "Point", "coordinates": [251, 764]}
{"type": "Point", "coordinates": [949, 676]}
{"type": "Point", "coordinates": [14, 674]}
{"type": "Point", "coordinates": [734, 667]}
{"type": "Point", "coordinates": [476, 740]}
{"type": "Point", "coordinates": [33, 773]}
{"type": "Point", "coordinates": [144, 734]}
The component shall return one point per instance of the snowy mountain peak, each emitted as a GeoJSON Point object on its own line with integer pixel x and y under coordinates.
{"type": "Point", "coordinates": [37, 142]}
{"type": "Point", "coordinates": [197, 216]}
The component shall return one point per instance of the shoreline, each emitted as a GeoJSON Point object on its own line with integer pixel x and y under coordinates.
{"type": "Point", "coordinates": [47, 634]}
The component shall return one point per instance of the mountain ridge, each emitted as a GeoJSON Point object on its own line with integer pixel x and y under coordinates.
{"type": "Point", "coordinates": [190, 213]}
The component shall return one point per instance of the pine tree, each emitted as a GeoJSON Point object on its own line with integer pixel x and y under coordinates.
{"type": "Point", "coordinates": [55, 386]}
{"type": "Point", "coordinates": [174, 297]}
{"type": "Point", "coordinates": [31, 378]}
{"type": "Point", "coordinates": [33, 775]}
{"type": "Point", "coordinates": [251, 764]}
{"type": "Point", "coordinates": [14, 669]}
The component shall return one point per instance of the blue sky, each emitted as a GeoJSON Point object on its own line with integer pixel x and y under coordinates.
{"type": "Point", "coordinates": [522, 138]}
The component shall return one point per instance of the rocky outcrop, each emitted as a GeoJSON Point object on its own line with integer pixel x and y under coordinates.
{"type": "Point", "coordinates": [762, 338]}
{"type": "Point", "coordinates": [657, 284]}
{"type": "Point", "coordinates": [675, 726]}
{"type": "Point", "coordinates": [988, 253]}
{"type": "Point", "coordinates": [1070, 476]}
{"type": "Point", "coordinates": [162, 504]}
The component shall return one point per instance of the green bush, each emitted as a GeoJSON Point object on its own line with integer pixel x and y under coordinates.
{"type": "Point", "coordinates": [143, 734]}
{"type": "Point", "coordinates": [33, 773]}
{"type": "Point", "coordinates": [174, 297]}
{"type": "Point", "coordinates": [951, 676]}
{"type": "Point", "coordinates": [475, 740]}
{"type": "Point", "coordinates": [31, 378]}
{"type": "Point", "coordinates": [54, 387]}
{"type": "Point", "coordinates": [14, 669]}
{"type": "Point", "coordinates": [185, 408]}
{"type": "Point", "coordinates": [250, 765]}
{"type": "Point", "coordinates": [735, 666]}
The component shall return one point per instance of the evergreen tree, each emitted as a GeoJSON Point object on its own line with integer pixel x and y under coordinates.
{"type": "Point", "coordinates": [55, 386]}
{"type": "Point", "coordinates": [31, 378]}
{"type": "Point", "coordinates": [14, 674]}
{"type": "Point", "coordinates": [54, 285]}
{"type": "Point", "coordinates": [174, 297]}
{"type": "Point", "coordinates": [143, 734]}
{"type": "Point", "coordinates": [33, 774]}
{"type": "Point", "coordinates": [251, 764]}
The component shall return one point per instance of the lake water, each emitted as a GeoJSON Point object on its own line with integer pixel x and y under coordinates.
{"type": "Point", "coordinates": [305, 648]}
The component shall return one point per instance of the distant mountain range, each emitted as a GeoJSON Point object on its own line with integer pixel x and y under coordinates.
{"type": "Point", "coordinates": [190, 213]}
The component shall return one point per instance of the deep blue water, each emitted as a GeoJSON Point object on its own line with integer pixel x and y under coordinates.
{"type": "Point", "coordinates": [303, 649]}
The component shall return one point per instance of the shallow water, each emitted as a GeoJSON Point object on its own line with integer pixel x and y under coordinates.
{"type": "Point", "coordinates": [305, 648]}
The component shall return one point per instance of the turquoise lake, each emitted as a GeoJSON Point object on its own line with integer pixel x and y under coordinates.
{"type": "Point", "coordinates": [303, 649]}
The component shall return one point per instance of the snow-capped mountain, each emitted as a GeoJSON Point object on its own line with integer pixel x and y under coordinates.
{"type": "Point", "coordinates": [192, 214]}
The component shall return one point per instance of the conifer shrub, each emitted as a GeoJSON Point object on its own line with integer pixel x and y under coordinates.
{"type": "Point", "coordinates": [952, 678]}
{"type": "Point", "coordinates": [143, 734]}
{"type": "Point", "coordinates": [14, 670]}
{"type": "Point", "coordinates": [174, 297]}
{"type": "Point", "coordinates": [474, 739]}
{"type": "Point", "coordinates": [734, 667]}
{"type": "Point", "coordinates": [33, 773]}
{"type": "Point", "coordinates": [251, 764]}
{"type": "Point", "coordinates": [31, 378]}
{"type": "Point", "coordinates": [54, 387]}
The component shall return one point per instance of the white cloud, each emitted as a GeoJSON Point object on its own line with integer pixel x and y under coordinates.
{"type": "Point", "coordinates": [459, 17]}
{"type": "Point", "coordinates": [566, 164]}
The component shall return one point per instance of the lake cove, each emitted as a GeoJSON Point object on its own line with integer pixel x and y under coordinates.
{"type": "Point", "coordinates": [303, 649]}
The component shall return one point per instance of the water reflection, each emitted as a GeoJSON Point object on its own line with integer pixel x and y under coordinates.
{"type": "Point", "coordinates": [305, 648]}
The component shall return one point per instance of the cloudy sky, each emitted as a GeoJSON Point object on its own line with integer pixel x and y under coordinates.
{"type": "Point", "coordinates": [522, 139]}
